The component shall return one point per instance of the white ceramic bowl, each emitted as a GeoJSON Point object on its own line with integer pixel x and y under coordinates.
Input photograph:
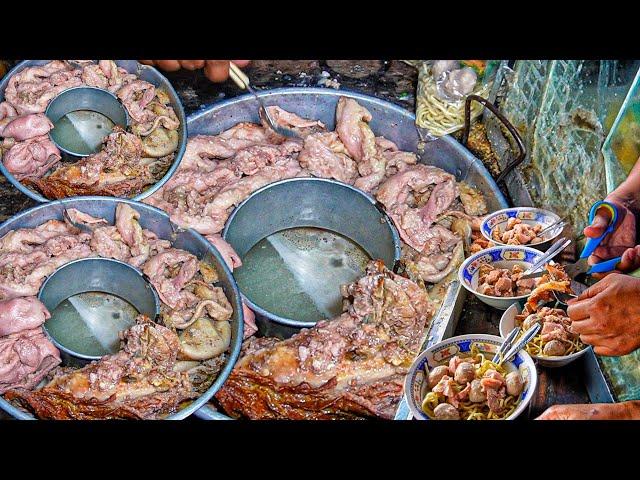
{"type": "Point", "coordinates": [415, 384]}
{"type": "Point", "coordinates": [500, 257]}
{"type": "Point", "coordinates": [529, 215]}
{"type": "Point", "coordinates": [508, 323]}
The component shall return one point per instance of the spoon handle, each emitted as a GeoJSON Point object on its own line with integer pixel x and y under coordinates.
{"type": "Point", "coordinates": [238, 76]}
{"type": "Point", "coordinates": [528, 335]}
{"type": "Point", "coordinates": [506, 344]}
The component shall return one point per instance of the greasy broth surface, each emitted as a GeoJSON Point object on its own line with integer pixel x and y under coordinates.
{"type": "Point", "coordinates": [89, 323]}
{"type": "Point", "coordinates": [82, 131]}
{"type": "Point", "coordinates": [297, 273]}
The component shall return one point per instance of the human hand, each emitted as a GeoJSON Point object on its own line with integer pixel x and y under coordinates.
{"type": "Point", "coordinates": [215, 70]}
{"type": "Point", "coordinates": [617, 242]}
{"type": "Point", "coordinates": [595, 411]}
{"type": "Point", "coordinates": [607, 315]}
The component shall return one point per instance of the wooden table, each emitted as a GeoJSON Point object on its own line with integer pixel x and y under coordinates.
{"type": "Point", "coordinates": [391, 80]}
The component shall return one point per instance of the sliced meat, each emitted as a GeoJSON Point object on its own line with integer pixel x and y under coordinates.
{"type": "Point", "coordinates": [31, 158]}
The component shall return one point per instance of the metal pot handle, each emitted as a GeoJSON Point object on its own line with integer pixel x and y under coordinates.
{"type": "Point", "coordinates": [467, 127]}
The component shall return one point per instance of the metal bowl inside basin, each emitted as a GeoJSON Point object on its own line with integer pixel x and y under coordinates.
{"type": "Point", "coordinates": [158, 222]}
{"type": "Point", "coordinates": [89, 100]}
{"type": "Point", "coordinates": [144, 72]}
{"type": "Point", "coordinates": [103, 275]}
{"type": "Point", "coordinates": [311, 202]}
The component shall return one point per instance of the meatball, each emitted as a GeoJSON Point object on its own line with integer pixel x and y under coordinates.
{"type": "Point", "coordinates": [460, 82]}
{"type": "Point", "coordinates": [554, 348]}
{"type": "Point", "coordinates": [530, 321]}
{"type": "Point", "coordinates": [465, 373]}
{"type": "Point", "coordinates": [436, 375]}
{"type": "Point", "coordinates": [441, 66]}
{"type": "Point", "coordinates": [446, 411]}
{"type": "Point", "coordinates": [476, 395]}
{"type": "Point", "coordinates": [515, 383]}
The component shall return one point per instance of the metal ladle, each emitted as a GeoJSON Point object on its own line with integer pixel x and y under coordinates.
{"type": "Point", "coordinates": [242, 81]}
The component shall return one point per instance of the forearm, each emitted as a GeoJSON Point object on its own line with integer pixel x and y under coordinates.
{"type": "Point", "coordinates": [631, 410]}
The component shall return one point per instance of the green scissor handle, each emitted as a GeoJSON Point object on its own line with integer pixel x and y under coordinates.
{"type": "Point", "coordinates": [635, 273]}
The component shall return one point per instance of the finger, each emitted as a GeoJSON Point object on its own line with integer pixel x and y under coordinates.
{"type": "Point", "coordinates": [168, 65]}
{"type": "Point", "coordinates": [606, 252]}
{"type": "Point", "coordinates": [552, 413]}
{"type": "Point", "coordinates": [630, 260]}
{"type": "Point", "coordinates": [587, 327]}
{"type": "Point", "coordinates": [594, 339]}
{"type": "Point", "coordinates": [606, 351]}
{"type": "Point", "coordinates": [599, 224]}
{"type": "Point", "coordinates": [579, 309]}
{"type": "Point", "coordinates": [597, 288]}
{"type": "Point", "coordinates": [191, 64]}
{"type": "Point", "coordinates": [241, 63]}
{"type": "Point", "coordinates": [217, 70]}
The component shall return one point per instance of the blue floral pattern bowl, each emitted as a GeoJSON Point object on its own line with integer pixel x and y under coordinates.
{"type": "Point", "coordinates": [500, 257]}
{"type": "Point", "coordinates": [415, 384]}
{"type": "Point", "coordinates": [529, 215]}
{"type": "Point", "coordinates": [508, 323]}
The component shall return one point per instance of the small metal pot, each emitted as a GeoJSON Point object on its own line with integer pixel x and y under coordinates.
{"type": "Point", "coordinates": [85, 98]}
{"type": "Point", "coordinates": [104, 275]}
{"type": "Point", "coordinates": [144, 72]}
{"type": "Point", "coordinates": [158, 222]}
{"type": "Point", "coordinates": [311, 202]}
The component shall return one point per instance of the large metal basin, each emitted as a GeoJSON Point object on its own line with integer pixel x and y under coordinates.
{"type": "Point", "coordinates": [144, 72]}
{"type": "Point", "coordinates": [158, 222]}
{"type": "Point", "coordinates": [390, 121]}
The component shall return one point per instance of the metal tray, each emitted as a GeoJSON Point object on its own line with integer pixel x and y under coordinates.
{"type": "Point", "coordinates": [390, 121]}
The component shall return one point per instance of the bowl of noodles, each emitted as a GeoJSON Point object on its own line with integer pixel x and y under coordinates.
{"type": "Point", "coordinates": [553, 346]}
{"type": "Point", "coordinates": [456, 380]}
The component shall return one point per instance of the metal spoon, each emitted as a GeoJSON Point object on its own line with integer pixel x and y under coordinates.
{"type": "Point", "coordinates": [240, 79]}
{"type": "Point", "coordinates": [554, 250]}
{"type": "Point", "coordinates": [563, 297]}
{"type": "Point", "coordinates": [506, 344]}
{"type": "Point", "coordinates": [528, 335]}
{"type": "Point", "coordinates": [80, 226]}
{"type": "Point", "coordinates": [560, 222]}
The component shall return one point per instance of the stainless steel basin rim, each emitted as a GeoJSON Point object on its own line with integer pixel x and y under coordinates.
{"type": "Point", "coordinates": [144, 72]}
{"type": "Point", "coordinates": [99, 274]}
{"type": "Point", "coordinates": [311, 202]}
{"type": "Point", "coordinates": [157, 221]}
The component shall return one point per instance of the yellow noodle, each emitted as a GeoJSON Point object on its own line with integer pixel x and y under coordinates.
{"type": "Point", "coordinates": [536, 345]}
{"type": "Point", "coordinates": [469, 410]}
{"type": "Point", "coordinates": [440, 116]}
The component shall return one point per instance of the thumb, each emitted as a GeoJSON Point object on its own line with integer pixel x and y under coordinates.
{"type": "Point", "coordinates": [599, 224]}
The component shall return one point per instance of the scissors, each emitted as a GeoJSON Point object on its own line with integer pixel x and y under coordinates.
{"type": "Point", "coordinates": [582, 265]}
